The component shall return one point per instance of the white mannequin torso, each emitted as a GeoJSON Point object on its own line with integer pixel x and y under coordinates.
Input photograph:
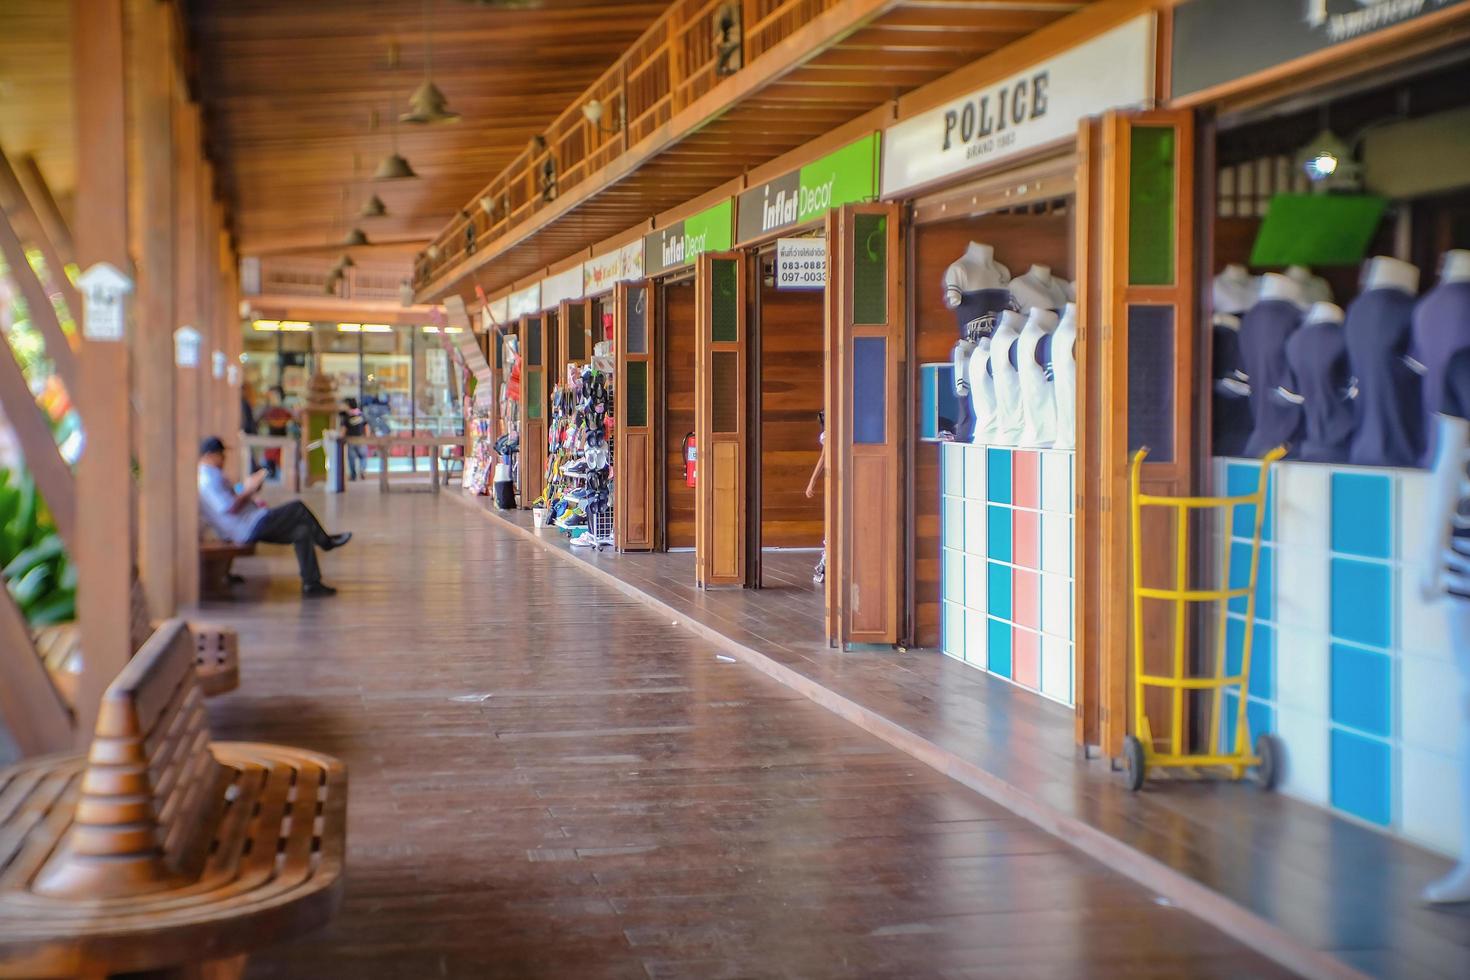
{"type": "Point", "coordinates": [1038, 401]}
{"type": "Point", "coordinates": [1386, 272]}
{"type": "Point", "coordinates": [1234, 290]}
{"type": "Point", "coordinates": [982, 393]}
{"type": "Point", "coordinates": [1038, 289]}
{"type": "Point", "coordinates": [1454, 266]}
{"type": "Point", "coordinates": [1276, 286]}
{"type": "Point", "coordinates": [976, 269]}
{"type": "Point", "coordinates": [1322, 312]}
{"type": "Point", "coordinates": [1314, 288]}
{"type": "Point", "coordinates": [1008, 418]}
{"type": "Point", "coordinates": [1064, 378]}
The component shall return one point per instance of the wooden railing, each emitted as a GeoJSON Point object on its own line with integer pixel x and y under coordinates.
{"type": "Point", "coordinates": [680, 58]}
{"type": "Point", "coordinates": [308, 276]}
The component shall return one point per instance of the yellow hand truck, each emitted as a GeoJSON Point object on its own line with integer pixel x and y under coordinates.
{"type": "Point", "coordinates": [1141, 749]}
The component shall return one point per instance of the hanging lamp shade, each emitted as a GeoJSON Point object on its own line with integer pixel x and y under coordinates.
{"type": "Point", "coordinates": [355, 237]}
{"type": "Point", "coordinates": [428, 105]}
{"type": "Point", "coordinates": [345, 262]}
{"type": "Point", "coordinates": [373, 207]}
{"type": "Point", "coordinates": [394, 167]}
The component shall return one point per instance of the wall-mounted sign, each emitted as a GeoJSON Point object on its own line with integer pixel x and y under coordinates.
{"type": "Point", "coordinates": [1022, 112]}
{"type": "Point", "coordinates": [801, 263]}
{"type": "Point", "coordinates": [217, 364]}
{"type": "Point", "coordinates": [601, 272]}
{"type": "Point", "coordinates": [845, 176]}
{"type": "Point", "coordinates": [104, 302]}
{"type": "Point", "coordinates": [525, 302]}
{"type": "Point", "coordinates": [633, 261]}
{"type": "Point", "coordinates": [186, 347]}
{"type": "Point", "coordinates": [562, 286]}
{"type": "Point", "coordinates": [684, 241]}
{"type": "Point", "coordinates": [1218, 41]}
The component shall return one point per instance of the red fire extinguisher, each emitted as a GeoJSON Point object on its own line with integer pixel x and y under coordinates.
{"type": "Point", "coordinates": [691, 459]}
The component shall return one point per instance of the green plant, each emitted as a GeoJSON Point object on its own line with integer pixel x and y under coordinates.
{"type": "Point", "coordinates": [33, 560]}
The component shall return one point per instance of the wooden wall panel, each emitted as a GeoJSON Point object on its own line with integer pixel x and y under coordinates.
{"type": "Point", "coordinates": [1020, 240]}
{"type": "Point", "coordinates": [791, 396]}
{"type": "Point", "coordinates": [678, 327]}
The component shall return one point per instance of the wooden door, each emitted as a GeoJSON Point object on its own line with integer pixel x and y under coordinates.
{"type": "Point", "coordinates": [866, 340]}
{"type": "Point", "coordinates": [720, 418]}
{"type": "Point", "coordinates": [535, 344]}
{"type": "Point", "coordinates": [1140, 184]}
{"type": "Point", "coordinates": [635, 434]}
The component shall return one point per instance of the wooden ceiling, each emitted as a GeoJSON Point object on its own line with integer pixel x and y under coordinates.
{"type": "Point", "coordinates": [36, 116]}
{"type": "Point", "coordinates": [290, 90]}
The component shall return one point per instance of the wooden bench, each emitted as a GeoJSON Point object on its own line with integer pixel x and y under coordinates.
{"type": "Point", "coordinates": [215, 559]}
{"type": "Point", "coordinates": [217, 651]}
{"type": "Point", "coordinates": [162, 849]}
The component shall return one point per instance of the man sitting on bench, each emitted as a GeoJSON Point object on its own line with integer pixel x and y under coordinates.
{"type": "Point", "coordinates": [237, 516]}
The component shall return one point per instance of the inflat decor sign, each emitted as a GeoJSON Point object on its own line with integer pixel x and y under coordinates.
{"type": "Point", "coordinates": [682, 242]}
{"type": "Point", "coordinates": [1218, 41]}
{"type": "Point", "coordinates": [1023, 112]}
{"type": "Point", "coordinates": [845, 176]}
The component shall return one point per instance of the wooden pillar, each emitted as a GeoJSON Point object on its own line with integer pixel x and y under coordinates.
{"type": "Point", "coordinates": [104, 511]}
{"type": "Point", "coordinates": [186, 375]}
{"type": "Point", "coordinates": [153, 351]}
{"type": "Point", "coordinates": [48, 213]}
{"type": "Point", "coordinates": [23, 207]}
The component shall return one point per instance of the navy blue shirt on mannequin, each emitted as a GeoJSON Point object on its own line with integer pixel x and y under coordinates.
{"type": "Point", "coordinates": [1455, 402]}
{"type": "Point", "coordinates": [1264, 331]}
{"type": "Point", "coordinates": [1232, 411]}
{"type": "Point", "coordinates": [1317, 356]}
{"type": "Point", "coordinates": [979, 311]}
{"type": "Point", "coordinates": [1441, 328]}
{"type": "Point", "coordinates": [1390, 413]}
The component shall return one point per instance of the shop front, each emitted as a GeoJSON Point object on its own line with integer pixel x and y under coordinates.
{"type": "Point", "coordinates": [1005, 189]}
{"type": "Point", "coordinates": [1334, 291]}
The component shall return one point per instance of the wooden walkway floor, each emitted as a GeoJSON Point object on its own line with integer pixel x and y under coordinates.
{"type": "Point", "coordinates": [549, 780]}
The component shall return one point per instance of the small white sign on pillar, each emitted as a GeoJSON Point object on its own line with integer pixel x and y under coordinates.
{"type": "Point", "coordinates": [104, 308]}
{"type": "Point", "coordinates": [232, 375]}
{"type": "Point", "coordinates": [186, 347]}
{"type": "Point", "coordinates": [217, 363]}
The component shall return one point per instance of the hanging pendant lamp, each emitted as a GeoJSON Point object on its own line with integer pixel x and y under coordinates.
{"type": "Point", "coordinates": [427, 104]}
{"type": "Point", "coordinates": [394, 165]}
{"type": "Point", "coordinates": [373, 207]}
{"type": "Point", "coordinates": [355, 237]}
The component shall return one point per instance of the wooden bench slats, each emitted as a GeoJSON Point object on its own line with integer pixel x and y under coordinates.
{"type": "Point", "coordinates": [213, 848]}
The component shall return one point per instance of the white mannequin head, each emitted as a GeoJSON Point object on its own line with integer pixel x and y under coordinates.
{"type": "Point", "coordinates": [1276, 286]}
{"type": "Point", "coordinates": [1300, 273]}
{"type": "Point", "coordinates": [1386, 272]}
{"type": "Point", "coordinates": [1325, 313]}
{"type": "Point", "coordinates": [1454, 266]}
{"type": "Point", "coordinates": [1236, 271]}
{"type": "Point", "coordinates": [980, 253]}
{"type": "Point", "coordinates": [1041, 273]}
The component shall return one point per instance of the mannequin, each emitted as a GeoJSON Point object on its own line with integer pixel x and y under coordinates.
{"type": "Point", "coordinates": [1008, 413]}
{"type": "Point", "coordinates": [975, 288]}
{"type": "Point", "coordinates": [1314, 288]}
{"type": "Point", "coordinates": [1234, 290]}
{"type": "Point", "coordinates": [1264, 331]}
{"type": "Point", "coordinates": [1232, 407]}
{"type": "Point", "coordinates": [1064, 377]}
{"type": "Point", "coordinates": [1447, 576]}
{"type": "Point", "coordinates": [982, 393]}
{"type": "Point", "coordinates": [1441, 328]}
{"type": "Point", "coordinates": [1390, 410]}
{"type": "Point", "coordinates": [1038, 400]}
{"type": "Point", "coordinates": [1321, 383]}
{"type": "Point", "coordinates": [1038, 289]}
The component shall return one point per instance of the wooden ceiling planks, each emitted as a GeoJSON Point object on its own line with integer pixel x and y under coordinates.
{"type": "Point", "coordinates": [36, 114]}
{"type": "Point", "coordinates": [291, 89]}
{"type": "Point", "coordinates": [903, 46]}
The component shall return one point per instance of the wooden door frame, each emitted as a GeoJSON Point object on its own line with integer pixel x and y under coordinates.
{"type": "Point", "coordinates": [706, 348]}
{"type": "Point", "coordinates": [626, 442]}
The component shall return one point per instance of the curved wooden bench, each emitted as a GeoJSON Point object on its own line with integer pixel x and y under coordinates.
{"type": "Point", "coordinates": [162, 848]}
{"type": "Point", "coordinates": [215, 559]}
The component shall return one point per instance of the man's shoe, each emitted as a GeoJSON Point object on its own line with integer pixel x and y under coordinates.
{"type": "Point", "coordinates": [317, 590]}
{"type": "Point", "coordinates": [336, 541]}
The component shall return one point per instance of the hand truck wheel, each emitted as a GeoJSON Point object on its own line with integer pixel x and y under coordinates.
{"type": "Point", "coordinates": [1137, 765]}
{"type": "Point", "coordinates": [1267, 773]}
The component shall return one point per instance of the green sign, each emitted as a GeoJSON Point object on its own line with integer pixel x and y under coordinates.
{"type": "Point", "coordinates": [708, 231]}
{"type": "Point", "coordinates": [843, 177]}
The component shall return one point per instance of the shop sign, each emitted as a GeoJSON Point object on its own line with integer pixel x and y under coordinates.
{"type": "Point", "coordinates": [843, 177]}
{"type": "Point", "coordinates": [1023, 112]}
{"type": "Point", "coordinates": [561, 287]}
{"type": "Point", "coordinates": [801, 263]}
{"type": "Point", "coordinates": [600, 272]}
{"type": "Point", "coordinates": [633, 261]}
{"type": "Point", "coordinates": [684, 241]}
{"type": "Point", "coordinates": [525, 302]}
{"type": "Point", "coordinates": [1218, 41]}
{"type": "Point", "coordinates": [104, 293]}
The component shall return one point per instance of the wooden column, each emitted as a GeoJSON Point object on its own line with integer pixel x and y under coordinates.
{"type": "Point", "coordinates": [104, 510]}
{"type": "Point", "coordinates": [186, 377]}
{"type": "Point", "coordinates": [152, 101]}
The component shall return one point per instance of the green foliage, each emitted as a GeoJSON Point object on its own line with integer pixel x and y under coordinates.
{"type": "Point", "coordinates": [33, 561]}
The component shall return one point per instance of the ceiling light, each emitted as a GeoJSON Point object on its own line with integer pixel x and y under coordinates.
{"type": "Point", "coordinates": [394, 167]}
{"type": "Point", "coordinates": [376, 328]}
{"type": "Point", "coordinates": [355, 237]}
{"type": "Point", "coordinates": [1328, 163]}
{"type": "Point", "coordinates": [345, 262]}
{"type": "Point", "coordinates": [295, 326]}
{"type": "Point", "coordinates": [349, 328]}
{"type": "Point", "coordinates": [430, 329]}
{"type": "Point", "coordinates": [427, 104]}
{"type": "Point", "coordinates": [433, 252]}
{"type": "Point", "coordinates": [266, 326]}
{"type": "Point", "coordinates": [487, 204]}
{"type": "Point", "coordinates": [373, 207]}
{"type": "Point", "coordinates": [454, 329]}
{"type": "Point", "coordinates": [592, 111]}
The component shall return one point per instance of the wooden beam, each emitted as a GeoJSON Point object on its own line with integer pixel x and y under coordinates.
{"type": "Point", "coordinates": [48, 212]}
{"type": "Point", "coordinates": [38, 304]}
{"type": "Point", "coordinates": [153, 347]}
{"type": "Point", "coordinates": [103, 554]}
{"type": "Point", "coordinates": [30, 707]}
{"type": "Point", "coordinates": [186, 376]}
{"type": "Point", "coordinates": [38, 446]}
{"type": "Point", "coordinates": [15, 200]}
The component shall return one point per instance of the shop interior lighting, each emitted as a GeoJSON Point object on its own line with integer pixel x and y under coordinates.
{"type": "Point", "coordinates": [376, 328]}
{"type": "Point", "coordinates": [295, 326]}
{"type": "Point", "coordinates": [349, 328]}
{"type": "Point", "coordinates": [1328, 163]}
{"type": "Point", "coordinates": [593, 111]}
{"type": "Point", "coordinates": [266, 326]}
